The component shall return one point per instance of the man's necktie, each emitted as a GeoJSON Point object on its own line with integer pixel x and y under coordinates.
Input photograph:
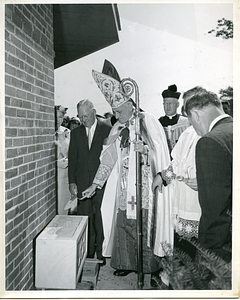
{"type": "Point", "coordinates": [89, 137]}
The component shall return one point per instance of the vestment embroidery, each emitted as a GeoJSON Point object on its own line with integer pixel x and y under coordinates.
{"type": "Point", "coordinates": [102, 173]}
{"type": "Point", "coordinates": [145, 171]}
{"type": "Point", "coordinates": [168, 175]}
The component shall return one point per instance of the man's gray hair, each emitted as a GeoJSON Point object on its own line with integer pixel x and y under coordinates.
{"type": "Point", "coordinates": [85, 102]}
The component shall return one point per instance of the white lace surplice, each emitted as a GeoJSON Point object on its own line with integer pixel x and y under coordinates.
{"type": "Point", "coordinates": [186, 208]}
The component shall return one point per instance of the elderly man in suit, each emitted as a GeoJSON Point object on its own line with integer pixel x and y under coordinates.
{"type": "Point", "coordinates": [214, 170]}
{"type": "Point", "coordinates": [86, 143]}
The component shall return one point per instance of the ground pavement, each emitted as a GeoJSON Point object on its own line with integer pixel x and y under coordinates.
{"type": "Point", "coordinates": [107, 281]}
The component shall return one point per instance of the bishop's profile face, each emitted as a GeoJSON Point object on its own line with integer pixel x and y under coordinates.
{"type": "Point", "coordinates": [123, 113]}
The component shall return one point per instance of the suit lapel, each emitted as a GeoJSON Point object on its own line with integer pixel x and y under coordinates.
{"type": "Point", "coordinates": [83, 133]}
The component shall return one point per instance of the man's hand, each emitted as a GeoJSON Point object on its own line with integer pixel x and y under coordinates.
{"type": "Point", "coordinates": [192, 183]}
{"type": "Point", "coordinates": [157, 183]}
{"type": "Point", "coordinates": [73, 189]}
{"type": "Point", "coordinates": [140, 147]}
{"type": "Point", "coordinates": [89, 192]}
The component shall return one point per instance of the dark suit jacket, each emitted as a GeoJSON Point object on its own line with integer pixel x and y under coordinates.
{"type": "Point", "coordinates": [214, 178]}
{"type": "Point", "coordinates": [82, 162]}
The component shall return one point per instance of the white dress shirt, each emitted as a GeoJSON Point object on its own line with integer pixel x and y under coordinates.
{"type": "Point", "coordinates": [92, 130]}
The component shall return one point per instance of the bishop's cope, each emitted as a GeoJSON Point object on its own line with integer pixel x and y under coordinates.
{"type": "Point", "coordinates": [117, 170]}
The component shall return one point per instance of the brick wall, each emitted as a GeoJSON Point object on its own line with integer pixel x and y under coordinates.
{"type": "Point", "coordinates": [29, 136]}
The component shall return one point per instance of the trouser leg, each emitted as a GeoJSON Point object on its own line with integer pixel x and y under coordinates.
{"type": "Point", "coordinates": [98, 226]}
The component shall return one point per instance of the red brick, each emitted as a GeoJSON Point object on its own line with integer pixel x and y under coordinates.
{"type": "Point", "coordinates": [11, 132]}
{"type": "Point", "coordinates": [10, 48]}
{"type": "Point", "coordinates": [7, 185]}
{"type": "Point", "coordinates": [28, 138]}
{"type": "Point", "coordinates": [23, 187]}
{"type": "Point", "coordinates": [16, 102]}
{"type": "Point", "coordinates": [21, 94]}
{"type": "Point", "coordinates": [16, 17]}
{"type": "Point", "coordinates": [22, 150]}
{"type": "Point", "coordinates": [8, 79]}
{"type": "Point", "coordinates": [27, 86]}
{"type": "Point", "coordinates": [9, 28]}
{"type": "Point", "coordinates": [17, 83]}
{"type": "Point", "coordinates": [15, 182]}
{"type": "Point", "coordinates": [17, 142]}
{"type": "Point", "coordinates": [15, 243]}
{"type": "Point", "coordinates": [11, 214]}
{"type": "Point", "coordinates": [20, 54]}
{"type": "Point", "coordinates": [17, 161]}
{"type": "Point", "coordinates": [10, 69]}
{"type": "Point", "coordinates": [27, 104]}
{"type": "Point", "coordinates": [8, 12]}
{"type": "Point", "coordinates": [11, 153]}
{"type": "Point", "coordinates": [12, 60]}
{"type": "Point", "coordinates": [10, 91]}
{"type": "Point", "coordinates": [14, 122]}
{"type": "Point", "coordinates": [12, 193]}
{"type": "Point", "coordinates": [9, 111]}
{"type": "Point", "coordinates": [18, 219]}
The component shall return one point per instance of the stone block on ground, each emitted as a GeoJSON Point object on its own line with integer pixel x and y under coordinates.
{"type": "Point", "coordinates": [85, 286]}
{"type": "Point", "coordinates": [90, 271]}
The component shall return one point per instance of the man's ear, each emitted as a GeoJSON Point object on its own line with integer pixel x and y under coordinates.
{"type": "Point", "coordinates": [196, 114]}
{"type": "Point", "coordinates": [177, 104]}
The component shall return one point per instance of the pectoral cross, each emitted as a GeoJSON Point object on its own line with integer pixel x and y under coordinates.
{"type": "Point", "coordinates": [132, 203]}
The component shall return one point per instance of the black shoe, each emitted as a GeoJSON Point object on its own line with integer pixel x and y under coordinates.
{"type": "Point", "coordinates": [90, 256]}
{"type": "Point", "coordinates": [121, 272]}
{"type": "Point", "coordinates": [103, 259]}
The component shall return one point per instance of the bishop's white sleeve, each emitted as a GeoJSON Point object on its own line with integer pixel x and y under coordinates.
{"type": "Point", "coordinates": [160, 158]}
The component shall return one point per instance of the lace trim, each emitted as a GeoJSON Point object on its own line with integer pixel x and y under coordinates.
{"type": "Point", "coordinates": [186, 228]}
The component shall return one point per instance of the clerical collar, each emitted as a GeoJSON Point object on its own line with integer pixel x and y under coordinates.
{"type": "Point", "coordinates": [170, 117]}
{"type": "Point", "coordinates": [216, 120]}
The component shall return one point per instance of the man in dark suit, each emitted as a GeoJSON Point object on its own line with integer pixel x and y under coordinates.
{"type": "Point", "coordinates": [214, 170]}
{"type": "Point", "coordinates": [86, 143]}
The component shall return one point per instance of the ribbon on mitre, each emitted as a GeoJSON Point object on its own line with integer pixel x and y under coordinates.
{"type": "Point", "coordinates": [125, 141]}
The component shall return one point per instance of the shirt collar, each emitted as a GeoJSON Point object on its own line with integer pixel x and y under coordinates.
{"type": "Point", "coordinates": [170, 117]}
{"type": "Point", "coordinates": [92, 128]}
{"type": "Point", "coordinates": [216, 120]}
